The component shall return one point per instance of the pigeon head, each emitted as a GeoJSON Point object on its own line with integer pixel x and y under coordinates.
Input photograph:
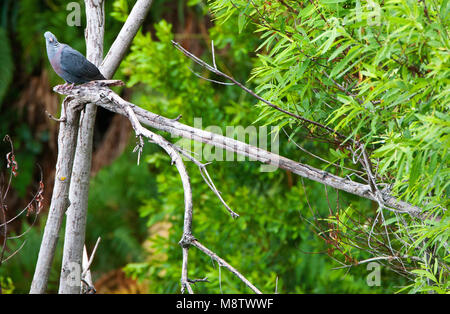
{"type": "Point", "coordinates": [50, 39]}
{"type": "Point", "coordinates": [52, 45]}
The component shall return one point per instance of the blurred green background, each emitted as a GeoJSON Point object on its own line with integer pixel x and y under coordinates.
{"type": "Point", "coordinates": [138, 210]}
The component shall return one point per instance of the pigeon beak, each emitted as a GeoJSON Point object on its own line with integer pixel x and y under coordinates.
{"type": "Point", "coordinates": [51, 39]}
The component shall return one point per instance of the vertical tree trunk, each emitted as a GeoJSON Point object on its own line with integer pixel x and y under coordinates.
{"type": "Point", "coordinates": [67, 137]}
{"type": "Point", "coordinates": [70, 280]}
{"type": "Point", "coordinates": [67, 145]}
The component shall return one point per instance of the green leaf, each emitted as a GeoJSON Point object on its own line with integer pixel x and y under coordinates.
{"type": "Point", "coordinates": [242, 19]}
{"type": "Point", "coordinates": [338, 70]}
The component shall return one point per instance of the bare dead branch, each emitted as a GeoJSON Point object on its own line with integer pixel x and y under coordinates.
{"type": "Point", "coordinates": [86, 266]}
{"type": "Point", "coordinates": [214, 70]}
{"type": "Point", "coordinates": [67, 136]}
{"type": "Point", "coordinates": [206, 177]}
{"type": "Point", "coordinates": [79, 188]}
{"type": "Point", "coordinates": [177, 160]}
{"type": "Point", "coordinates": [185, 282]}
{"type": "Point", "coordinates": [187, 238]}
{"type": "Point", "coordinates": [67, 141]}
{"type": "Point", "coordinates": [106, 98]}
{"type": "Point", "coordinates": [198, 280]}
{"type": "Point", "coordinates": [223, 263]}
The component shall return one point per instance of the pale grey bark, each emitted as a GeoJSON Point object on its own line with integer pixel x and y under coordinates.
{"type": "Point", "coordinates": [223, 263]}
{"type": "Point", "coordinates": [68, 131]}
{"type": "Point", "coordinates": [70, 283]}
{"type": "Point", "coordinates": [86, 275]}
{"type": "Point", "coordinates": [98, 93]}
{"type": "Point", "coordinates": [187, 239]}
{"type": "Point", "coordinates": [123, 40]}
{"type": "Point", "coordinates": [105, 97]}
{"type": "Point", "coordinates": [79, 195]}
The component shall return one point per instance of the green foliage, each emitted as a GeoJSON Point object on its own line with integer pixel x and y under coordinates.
{"type": "Point", "coordinates": [6, 62]}
{"type": "Point", "coordinates": [173, 80]}
{"type": "Point", "coordinates": [375, 71]}
{"type": "Point", "coordinates": [270, 237]}
{"type": "Point", "coordinates": [379, 74]}
{"type": "Point", "coordinates": [430, 278]}
{"type": "Point", "coordinates": [267, 241]}
{"type": "Point", "coordinates": [20, 267]}
{"type": "Point", "coordinates": [392, 59]}
{"type": "Point", "coordinates": [115, 193]}
{"type": "Point", "coordinates": [6, 284]}
{"type": "Point", "coordinates": [120, 10]}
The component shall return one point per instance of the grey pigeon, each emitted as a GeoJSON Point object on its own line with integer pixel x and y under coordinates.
{"type": "Point", "coordinates": [70, 64]}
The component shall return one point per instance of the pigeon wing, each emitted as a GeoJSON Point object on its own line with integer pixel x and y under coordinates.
{"type": "Point", "coordinates": [74, 63]}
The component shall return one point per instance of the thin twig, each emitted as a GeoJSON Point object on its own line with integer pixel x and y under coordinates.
{"type": "Point", "coordinates": [106, 98]}
{"type": "Point", "coordinates": [198, 280]}
{"type": "Point", "coordinates": [62, 119]}
{"type": "Point", "coordinates": [218, 72]}
{"type": "Point", "coordinates": [209, 80]}
{"type": "Point", "coordinates": [187, 238]}
{"type": "Point", "coordinates": [205, 175]}
{"type": "Point", "coordinates": [320, 158]}
{"type": "Point", "coordinates": [15, 252]}
{"type": "Point", "coordinates": [223, 263]}
{"type": "Point", "coordinates": [91, 258]}
{"type": "Point", "coordinates": [185, 282]}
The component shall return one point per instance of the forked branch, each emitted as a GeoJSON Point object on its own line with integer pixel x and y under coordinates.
{"type": "Point", "coordinates": [103, 96]}
{"type": "Point", "coordinates": [187, 238]}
